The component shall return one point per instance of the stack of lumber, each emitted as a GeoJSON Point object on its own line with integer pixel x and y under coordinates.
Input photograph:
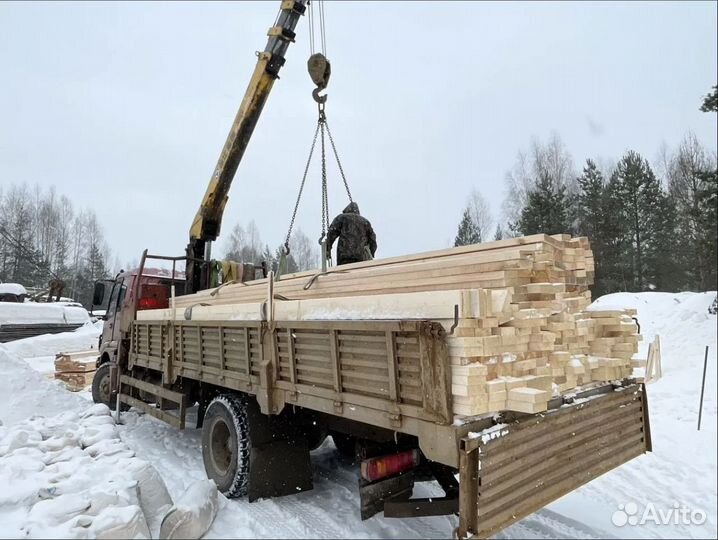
{"type": "Point", "coordinates": [525, 331]}
{"type": "Point", "coordinates": [12, 332]}
{"type": "Point", "coordinates": [76, 369]}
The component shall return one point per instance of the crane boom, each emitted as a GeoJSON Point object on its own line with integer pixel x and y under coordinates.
{"type": "Point", "coordinates": [207, 223]}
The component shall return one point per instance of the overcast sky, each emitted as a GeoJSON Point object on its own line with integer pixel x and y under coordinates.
{"type": "Point", "coordinates": [125, 107]}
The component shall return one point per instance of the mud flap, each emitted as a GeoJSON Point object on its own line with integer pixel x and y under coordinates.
{"type": "Point", "coordinates": [372, 496]}
{"type": "Point", "coordinates": [279, 462]}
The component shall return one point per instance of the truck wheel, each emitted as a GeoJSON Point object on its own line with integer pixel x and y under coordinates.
{"type": "Point", "coordinates": [225, 444]}
{"type": "Point", "coordinates": [101, 388]}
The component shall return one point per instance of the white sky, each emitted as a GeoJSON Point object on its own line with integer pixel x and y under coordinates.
{"type": "Point", "coordinates": [125, 107]}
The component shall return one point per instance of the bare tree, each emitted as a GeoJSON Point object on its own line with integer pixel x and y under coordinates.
{"type": "Point", "coordinates": [543, 160]}
{"type": "Point", "coordinates": [480, 213]}
{"type": "Point", "coordinates": [685, 174]}
{"type": "Point", "coordinates": [304, 251]}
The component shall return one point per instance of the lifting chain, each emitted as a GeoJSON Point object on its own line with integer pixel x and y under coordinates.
{"type": "Point", "coordinates": [322, 126]}
{"type": "Point", "coordinates": [319, 70]}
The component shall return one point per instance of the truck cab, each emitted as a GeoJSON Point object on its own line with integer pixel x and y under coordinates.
{"type": "Point", "coordinates": [121, 298]}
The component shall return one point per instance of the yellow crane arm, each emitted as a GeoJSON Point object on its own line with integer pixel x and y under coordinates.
{"type": "Point", "coordinates": [208, 221]}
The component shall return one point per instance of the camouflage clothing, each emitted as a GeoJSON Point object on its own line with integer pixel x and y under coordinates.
{"type": "Point", "coordinates": [357, 241]}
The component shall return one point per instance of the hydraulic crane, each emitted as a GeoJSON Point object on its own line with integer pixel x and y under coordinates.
{"type": "Point", "coordinates": [208, 221]}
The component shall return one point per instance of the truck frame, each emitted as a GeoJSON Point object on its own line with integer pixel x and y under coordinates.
{"type": "Point", "coordinates": [268, 392]}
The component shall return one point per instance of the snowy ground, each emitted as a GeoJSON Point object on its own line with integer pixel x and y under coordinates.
{"type": "Point", "coordinates": [680, 473]}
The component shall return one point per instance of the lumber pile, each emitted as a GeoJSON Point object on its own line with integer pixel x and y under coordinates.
{"type": "Point", "coordinates": [525, 331]}
{"type": "Point", "coordinates": [76, 369]}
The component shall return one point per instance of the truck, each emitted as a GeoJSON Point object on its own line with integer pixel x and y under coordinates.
{"type": "Point", "coordinates": [261, 417]}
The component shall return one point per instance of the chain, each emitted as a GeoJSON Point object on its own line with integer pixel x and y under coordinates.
{"type": "Point", "coordinates": [325, 198]}
{"type": "Point", "coordinates": [339, 163]}
{"type": "Point", "coordinates": [301, 187]}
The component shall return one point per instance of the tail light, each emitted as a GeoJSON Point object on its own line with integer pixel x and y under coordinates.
{"type": "Point", "coordinates": [382, 467]}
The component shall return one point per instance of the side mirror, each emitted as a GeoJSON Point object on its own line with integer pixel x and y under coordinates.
{"type": "Point", "coordinates": [98, 296]}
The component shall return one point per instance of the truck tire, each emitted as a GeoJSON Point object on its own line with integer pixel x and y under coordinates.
{"type": "Point", "coordinates": [101, 388]}
{"type": "Point", "coordinates": [225, 444]}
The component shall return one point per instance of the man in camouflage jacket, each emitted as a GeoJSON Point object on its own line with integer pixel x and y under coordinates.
{"type": "Point", "coordinates": [357, 241]}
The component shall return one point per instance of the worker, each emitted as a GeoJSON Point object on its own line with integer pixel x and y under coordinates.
{"type": "Point", "coordinates": [357, 241]}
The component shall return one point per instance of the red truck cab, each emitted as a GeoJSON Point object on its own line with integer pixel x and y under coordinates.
{"type": "Point", "coordinates": [122, 298]}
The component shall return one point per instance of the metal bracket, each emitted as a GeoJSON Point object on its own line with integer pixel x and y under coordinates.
{"type": "Point", "coordinates": [338, 407]}
{"type": "Point", "coordinates": [395, 420]}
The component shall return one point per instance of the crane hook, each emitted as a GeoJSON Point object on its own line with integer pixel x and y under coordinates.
{"type": "Point", "coordinates": [319, 70]}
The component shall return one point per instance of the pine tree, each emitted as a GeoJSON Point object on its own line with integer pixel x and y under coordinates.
{"type": "Point", "coordinates": [468, 232]}
{"type": "Point", "coordinates": [708, 240]}
{"type": "Point", "coordinates": [615, 270]}
{"type": "Point", "coordinates": [545, 210]}
{"type": "Point", "coordinates": [643, 205]}
{"type": "Point", "coordinates": [591, 217]}
{"type": "Point", "coordinates": [499, 234]}
{"type": "Point", "coordinates": [710, 102]}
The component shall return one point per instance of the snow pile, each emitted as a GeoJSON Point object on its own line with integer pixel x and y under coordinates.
{"type": "Point", "coordinates": [12, 288]}
{"type": "Point", "coordinates": [70, 475]}
{"type": "Point", "coordinates": [82, 339]}
{"type": "Point", "coordinates": [42, 313]}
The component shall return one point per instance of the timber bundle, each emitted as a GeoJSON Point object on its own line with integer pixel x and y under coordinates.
{"type": "Point", "coordinates": [516, 313]}
{"type": "Point", "coordinates": [76, 369]}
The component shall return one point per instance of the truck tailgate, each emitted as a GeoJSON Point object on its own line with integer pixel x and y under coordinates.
{"type": "Point", "coordinates": [517, 469]}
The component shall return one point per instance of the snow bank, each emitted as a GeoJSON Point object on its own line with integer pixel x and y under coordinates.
{"type": "Point", "coordinates": [40, 312]}
{"type": "Point", "coordinates": [82, 339]}
{"type": "Point", "coordinates": [12, 288]}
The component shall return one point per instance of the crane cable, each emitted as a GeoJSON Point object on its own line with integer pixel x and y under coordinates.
{"type": "Point", "coordinates": [322, 27]}
{"type": "Point", "coordinates": [319, 71]}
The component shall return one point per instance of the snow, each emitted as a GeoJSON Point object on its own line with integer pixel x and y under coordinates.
{"type": "Point", "coordinates": [41, 312]}
{"type": "Point", "coordinates": [681, 471]}
{"type": "Point", "coordinates": [82, 339]}
{"type": "Point", "coordinates": [12, 288]}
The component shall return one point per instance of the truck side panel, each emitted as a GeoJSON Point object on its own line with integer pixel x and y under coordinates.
{"type": "Point", "coordinates": [393, 371]}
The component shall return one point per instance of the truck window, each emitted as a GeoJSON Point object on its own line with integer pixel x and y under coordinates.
{"type": "Point", "coordinates": [118, 293]}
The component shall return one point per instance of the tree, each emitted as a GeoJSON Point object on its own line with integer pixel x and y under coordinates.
{"type": "Point", "coordinates": [499, 234]}
{"type": "Point", "coordinates": [688, 178]}
{"type": "Point", "coordinates": [710, 102]}
{"type": "Point", "coordinates": [468, 232]}
{"type": "Point", "coordinates": [543, 159]}
{"type": "Point", "coordinates": [546, 208]}
{"type": "Point", "coordinates": [480, 213]}
{"type": "Point", "coordinates": [244, 245]}
{"type": "Point", "coordinates": [643, 207]}
{"type": "Point", "coordinates": [303, 251]}
{"type": "Point", "coordinates": [592, 218]}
